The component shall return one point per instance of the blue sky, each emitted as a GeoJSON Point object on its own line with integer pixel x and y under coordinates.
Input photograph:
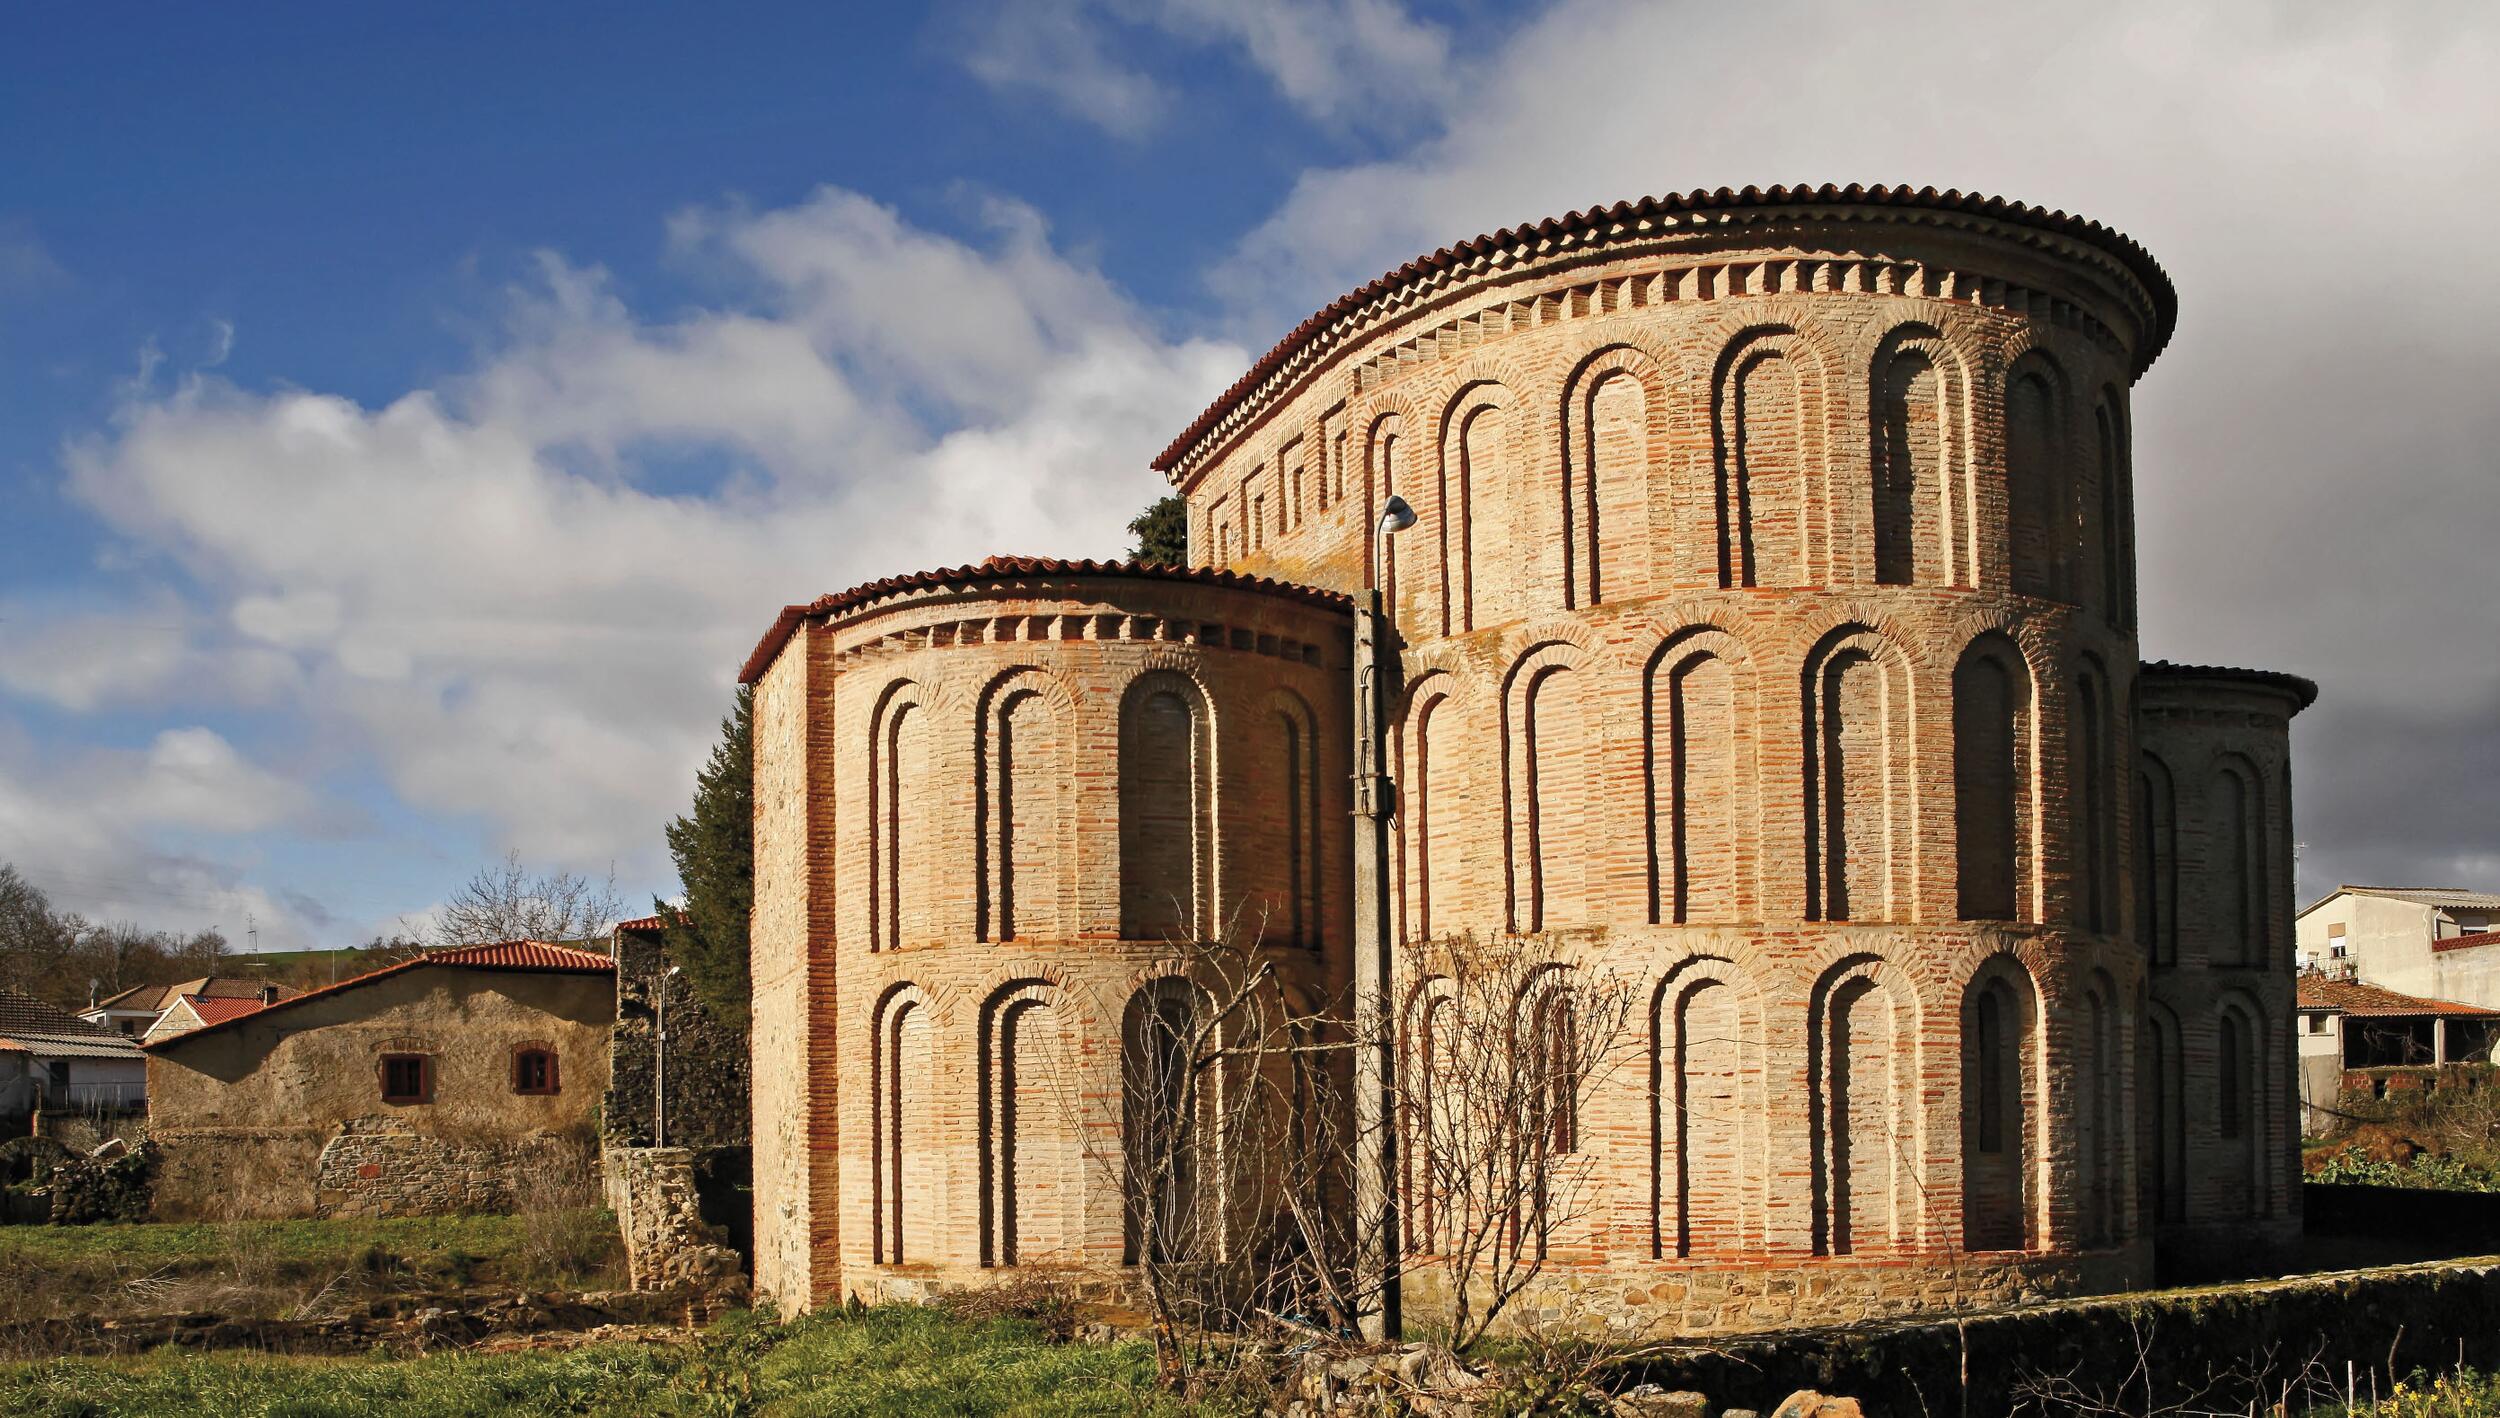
{"type": "Point", "coordinates": [407, 419]}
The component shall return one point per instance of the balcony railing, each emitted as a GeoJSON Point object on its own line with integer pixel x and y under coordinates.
{"type": "Point", "coordinates": [94, 1097]}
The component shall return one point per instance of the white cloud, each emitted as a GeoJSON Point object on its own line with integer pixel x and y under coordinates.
{"type": "Point", "coordinates": [26, 264]}
{"type": "Point", "coordinates": [1368, 64]}
{"type": "Point", "coordinates": [478, 583]}
{"type": "Point", "coordinates": [2314, 451]}
{"type": "Point", "coordinates": [153, 835]}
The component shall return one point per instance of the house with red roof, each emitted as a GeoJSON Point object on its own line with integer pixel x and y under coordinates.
{"type": "Point", "coordinates": [2356, 1037]}
{"type": "Point", "coordinates": [133, 1012]}
{"type": "Point", "coordinates": [459, 1080]}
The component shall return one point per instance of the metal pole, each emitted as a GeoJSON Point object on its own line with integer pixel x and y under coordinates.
{"type": "Point", "coordinates": [1375, 1057]}
{"type": "Point", "coordinates": [659, 1068]}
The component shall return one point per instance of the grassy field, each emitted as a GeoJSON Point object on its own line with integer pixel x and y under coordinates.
{"type": "Point", "coordinates": [894, 1360]}
{"type": "Point", "coordinates": [268, 1269]}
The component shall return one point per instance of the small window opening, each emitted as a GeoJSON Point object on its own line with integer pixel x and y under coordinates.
{"type": "Point", "coordinates": [534, 1071]}
{"type": "Point", "coordinates": [407, 1078]}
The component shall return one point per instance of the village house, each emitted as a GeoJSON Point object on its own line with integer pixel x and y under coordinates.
{"type": "Point", "coordinates": [2436, 941]}
{"type": "Point", "coordinates": [461, 1080]}
{"type": "Point", "coordinates": [51, 1061]}
{"type": "Point", "coordinates": [133, 1012]}
{"type": "Point", "coordinates": [2358, 1038]}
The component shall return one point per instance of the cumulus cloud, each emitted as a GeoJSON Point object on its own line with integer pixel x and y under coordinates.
{"type": "Point", "coordinates": [2314, 451]}
{"type": "Point", "coordinates": [1369, 64]}
{"type": "Point", "coordinates": [495, 587]}
{"type": "Point", "coordinates": [154, 835]}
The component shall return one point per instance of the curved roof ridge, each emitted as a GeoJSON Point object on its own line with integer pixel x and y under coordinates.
{"type": "Point", "coordinates": [1001, 568]}
{"type": "Point", "coordinates": [2306, 690]}
{"type": "Point", "coordinates": [1700, 199]}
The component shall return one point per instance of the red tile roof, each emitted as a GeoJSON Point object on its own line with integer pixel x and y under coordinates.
{"type": "Point", "coordinates": [214, 1010]}
{"type": "Point", "coordinates": [514, 955]}
{"type": "Point", "coordinates": [2135, 257]}
{"type": "Point", "coordinates": [158, 997]}
{"type": "Point", "coordinates": [519, 955]}
{"type": "Point", "coordinates": [2371, 1001]}
{"type": "Point", "coordinates": [644, 924]}
{"type": "Point", "coordinates": [1009, 568]}
{"type": "Point", "coordinates": [2467, 942]}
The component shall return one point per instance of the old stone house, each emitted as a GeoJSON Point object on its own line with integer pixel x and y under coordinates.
{"type": "Point", "coordinates": [459, 1080]}
{"type": "Point", "coordinates": [1769, 637]}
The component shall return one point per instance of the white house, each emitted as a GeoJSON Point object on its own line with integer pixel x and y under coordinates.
{"type": "Point", "coordinates": [51, 1060]}
{"type": "Point", "coordinates": [2434, 942]}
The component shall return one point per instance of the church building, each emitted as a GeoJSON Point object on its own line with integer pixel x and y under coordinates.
{"type": "Point", "coordinates": [1768, 634]}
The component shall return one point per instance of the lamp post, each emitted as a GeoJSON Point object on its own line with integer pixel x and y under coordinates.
{"type": "Point", "coordinates": [1376, 680]}
{"type": "Point", "coordinates": [659, 1061]}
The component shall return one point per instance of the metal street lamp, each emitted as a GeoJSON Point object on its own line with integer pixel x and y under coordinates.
{"type": "Point", "coordinates": [1376, 681]}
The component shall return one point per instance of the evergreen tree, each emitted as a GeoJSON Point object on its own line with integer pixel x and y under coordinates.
{"type": "Point", "coordinates": [715, 852]}
{"type": "Point", "coordinates": [1162, 532]}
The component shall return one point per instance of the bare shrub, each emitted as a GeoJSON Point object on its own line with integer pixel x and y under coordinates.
{"type": "Point", "coordinates": [1507, 1041]}
{"type": "Point", "coordinates": [1043, 1301]}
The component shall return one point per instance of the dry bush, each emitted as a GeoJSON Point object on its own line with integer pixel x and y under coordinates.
{"type": "Point", "coordinates": [1044, 1301]}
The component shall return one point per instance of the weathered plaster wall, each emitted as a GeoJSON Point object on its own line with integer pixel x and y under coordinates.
{"type": "Point", "coordinates": [282, 1116]}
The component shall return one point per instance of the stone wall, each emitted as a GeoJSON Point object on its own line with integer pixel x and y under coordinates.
{"type": "Point", "coordinates": [658, 1203]}
{"type": "Point", "coordinates": [385, 1167]}
{"type": "Point", "coordinates": [707, 1065]}
{"type": "Point", "coordinates": [2238, 1345]}
{"type": "Point", "coordinates": [86, 1131]}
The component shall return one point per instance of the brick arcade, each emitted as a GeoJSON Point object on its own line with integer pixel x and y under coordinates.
{"type": "Point", "coordinates": [1769, 636]}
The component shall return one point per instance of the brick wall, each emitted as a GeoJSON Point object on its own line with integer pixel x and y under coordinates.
{"type": "Point", "coordinates": [1770, 640]}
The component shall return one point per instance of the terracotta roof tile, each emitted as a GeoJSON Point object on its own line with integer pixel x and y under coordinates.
{"type": "Point", "coordinates": [1009, 568]}
{"type": "Point", "coordinates": [2372, 1001]}
{"type": "Point", "coordinates": [2467, 942]}
{"type": "Point", "coordinates": [2136, 258]}
{"type": "Point", "coordinates": [520, 955]}
{"type": "Point", "coordinates": [23, 1014]}
{"type": "Point", "coordinates": [533, 955]}
{"type": "Point", "coordinates": [158, 997]}
{"type": "Point", "coordinates": [213, 1010]}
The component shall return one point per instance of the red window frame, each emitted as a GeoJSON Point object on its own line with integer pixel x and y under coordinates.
{"type": "Point", "coordinates": [534, 1071]}
{"type": "Point", "coordinates": [424, 1067]}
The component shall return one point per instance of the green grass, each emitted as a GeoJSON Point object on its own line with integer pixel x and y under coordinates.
{"type": "Point", "coordinates": [891, 1360]}
{"type": "Point", "coordinates": [310, 1242]}
{"type": "Point", "coordinates": [262, 1269]}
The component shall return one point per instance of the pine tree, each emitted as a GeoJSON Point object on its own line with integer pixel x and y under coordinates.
{"type": "Point", "coordinates": [715, 852]}
{"type": "Point", "coordinates": [1162, 532]}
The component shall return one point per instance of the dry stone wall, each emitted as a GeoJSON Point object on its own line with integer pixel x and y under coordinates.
{"type": "Point", "coordinates": [384, 1167]}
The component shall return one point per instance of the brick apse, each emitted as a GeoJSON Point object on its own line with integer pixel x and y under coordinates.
{"type": "Point", "coordinates": [1769, 637]}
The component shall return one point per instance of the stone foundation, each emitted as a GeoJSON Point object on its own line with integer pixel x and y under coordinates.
{"type": "Point", "coordinates": [659, 1208]}
{"type": "Point", "coordinates": [380, 1167]}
